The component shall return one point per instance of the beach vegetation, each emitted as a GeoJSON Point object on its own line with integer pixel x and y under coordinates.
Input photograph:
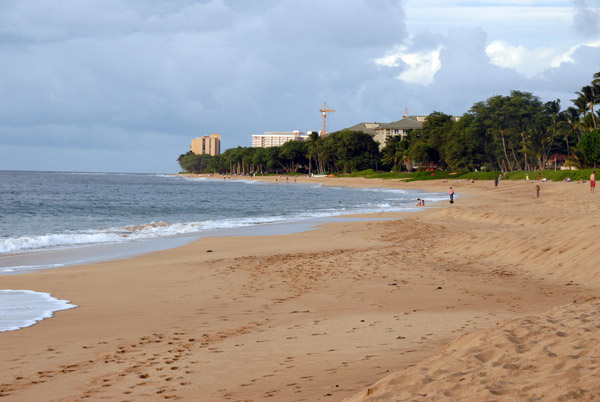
{"type": "Point", "coordinates": [589, 148]}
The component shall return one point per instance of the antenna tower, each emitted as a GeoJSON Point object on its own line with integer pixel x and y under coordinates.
{"type": "Point", "coordinates": [325, 111]}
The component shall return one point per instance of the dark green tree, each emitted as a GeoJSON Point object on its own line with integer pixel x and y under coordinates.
{"type": "Point", "coordinates": [589, 148]}
{"type": "Point", "coordinates": [393, 154]}
{"type": "Point", "coordinates": [349, 151]}
{"type": "Point", "coordinates": [293, 156]}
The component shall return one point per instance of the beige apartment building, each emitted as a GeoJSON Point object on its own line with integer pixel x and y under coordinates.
{"type": "Point", "coordinates": [400, 127]}
{"type": "Point", "coordinates": [207, 145]}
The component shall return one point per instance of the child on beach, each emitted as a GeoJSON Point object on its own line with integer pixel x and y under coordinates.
{"type": "Point", "coordinates": [451, 192]}
{"type": "Point", "coordinates": [593, 181]}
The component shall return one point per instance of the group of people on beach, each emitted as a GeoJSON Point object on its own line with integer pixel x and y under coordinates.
{"type": "Point", "coordinates": [421, 203]}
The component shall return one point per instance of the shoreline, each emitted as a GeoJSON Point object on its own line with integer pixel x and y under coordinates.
{"type": "Point", "coordinates": [306, 316]}
{"type": "Point", "coordinates": [78, 253]}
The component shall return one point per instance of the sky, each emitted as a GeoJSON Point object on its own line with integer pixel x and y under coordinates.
{"type": "Point", "coordinates": [125, 85]}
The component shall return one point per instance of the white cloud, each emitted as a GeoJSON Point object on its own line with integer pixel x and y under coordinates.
{"type": "Point", "coordinates": [528, 62]}
{"type": "Point", "coordinates": [531, 62]}
{"type": "Point", "coordinates": [420, 66]}
{"type": "Point", "coordinates": [594, 43]}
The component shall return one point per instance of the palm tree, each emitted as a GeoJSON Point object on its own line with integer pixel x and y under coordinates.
{"type": "Point", "coordinates": [588, 96]}
{"type": "Point", "coordinates": [314, 144]}
{"type": "Point", "coordinates": [596, 80]}
{"type": "Point", "coordinates": [569, 124]}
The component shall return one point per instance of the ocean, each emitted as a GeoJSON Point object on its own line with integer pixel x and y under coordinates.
{"type": "Point", "coordinates": [42, 213]}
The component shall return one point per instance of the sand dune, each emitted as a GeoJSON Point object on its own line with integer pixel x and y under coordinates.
{"type": "Point", "coordinates": [554, 356]}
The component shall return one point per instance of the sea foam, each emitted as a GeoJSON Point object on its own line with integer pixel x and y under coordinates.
{"type": "Point", "coordinates": [24, 308]}
{"type": "Point", "coordinates": [152, 230]}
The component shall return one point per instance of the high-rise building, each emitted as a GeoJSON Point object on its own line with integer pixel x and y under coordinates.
{"type": "Point", "coordinates": [207, 145]}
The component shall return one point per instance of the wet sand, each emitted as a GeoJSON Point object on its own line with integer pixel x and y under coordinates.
{"type": "Point", "coordinates": [323, 315]}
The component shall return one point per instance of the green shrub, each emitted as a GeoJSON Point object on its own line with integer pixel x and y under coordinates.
{"type": "Point", "coordinates": [549, 174]}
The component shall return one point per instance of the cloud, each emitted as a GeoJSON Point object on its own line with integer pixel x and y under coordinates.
{"type": "Point", "coordinates": [467, 74]}
{"type": "Point", "coordinates": [585, 19]}
{"type": "Point", "coordinates": [528, 62]}
{"type": "Point", "coordinates": [144, 77]}
{"type": "Point", "coordinates": [420, 67]}
{"type": "Point", "coordinates": [42, 21]}
{"type": "Point", "coordinates": [355, 23]}
{"type": "Point", "coordinates": [91, 75]}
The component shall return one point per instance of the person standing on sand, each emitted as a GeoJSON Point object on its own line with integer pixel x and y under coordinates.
{"type": "Point", "coordinates": [496, 182]}
{"type": "Point", "coordinates": [451, 192]}
{"type": "Point", "coordinates": [593, 182]}
{"type": "Point", "coordinates": [537, 190]}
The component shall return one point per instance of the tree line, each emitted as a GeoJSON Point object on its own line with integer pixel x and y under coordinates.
{"type": "Point", "coordinates": [504, 133]}
{"type": "Point", "coordinates": [339, 152]}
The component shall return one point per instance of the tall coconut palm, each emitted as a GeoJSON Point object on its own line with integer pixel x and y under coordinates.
{"type": "Point", "coordinates": [596, 80]}
{"type": "Point", "coordinates": [588, 96]}
{"type": "Point", "coordinates": [313, 151]}
{"type": "Point", "coordinates": [569, 124]}
{"type": "Point", "coordinates": [553, 109]}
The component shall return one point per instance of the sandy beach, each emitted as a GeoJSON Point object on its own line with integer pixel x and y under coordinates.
{"type": "Point", "coordinates": [492, 298]}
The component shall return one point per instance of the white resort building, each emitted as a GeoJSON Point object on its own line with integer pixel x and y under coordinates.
{"type": "Point", "coordinates": [276, 138]}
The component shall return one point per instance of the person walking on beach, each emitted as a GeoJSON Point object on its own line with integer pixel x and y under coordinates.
{"type": "Point", "coordinates": [537, 190]}
{"type": "Point", "coordinates": [451, 192]}
{"type": "Point", "coordinates": [496, 182]}
{"type": "Point", "coordinates": [593, 182]}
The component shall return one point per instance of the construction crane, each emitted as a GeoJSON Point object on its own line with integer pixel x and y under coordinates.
{"type": "Point", "coordinates": [325, 111]}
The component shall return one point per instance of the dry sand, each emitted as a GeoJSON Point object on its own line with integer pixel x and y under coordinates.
{"type": "Point", "coordinates": [492, 298]}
